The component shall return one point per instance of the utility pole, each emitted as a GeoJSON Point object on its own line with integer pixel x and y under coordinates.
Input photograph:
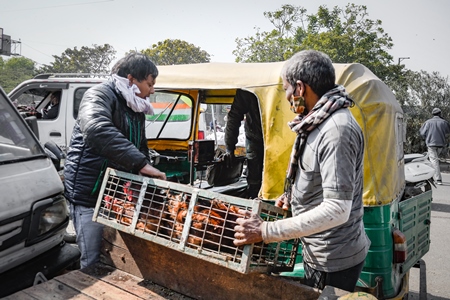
{"type": "Point", "coordinates": [8, 46]}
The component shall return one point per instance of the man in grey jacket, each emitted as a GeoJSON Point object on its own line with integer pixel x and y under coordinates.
{"type": "Point", "coordinates": [435, 132]}
{"type": "Point", "coordinates": [324, 183]}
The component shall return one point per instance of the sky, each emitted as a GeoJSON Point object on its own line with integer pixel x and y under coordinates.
{"type": "Point", "coordinates": [419, 29]}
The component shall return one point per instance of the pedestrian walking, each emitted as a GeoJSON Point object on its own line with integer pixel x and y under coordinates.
{"type": "Point", "coordinates": [435, 131]}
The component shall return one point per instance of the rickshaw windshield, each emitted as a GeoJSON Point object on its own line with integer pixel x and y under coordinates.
{"type": "Point", "coordinates": [172, 118]}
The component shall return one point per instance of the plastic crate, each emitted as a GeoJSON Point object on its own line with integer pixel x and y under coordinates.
{"type": "Point", "coordinates": [191, 220]}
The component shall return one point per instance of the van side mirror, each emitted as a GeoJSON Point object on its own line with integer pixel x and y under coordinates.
{"type": "Point", "coordinates": [55, 153]}
{"type": "Point", "coordinates": [32, 123]}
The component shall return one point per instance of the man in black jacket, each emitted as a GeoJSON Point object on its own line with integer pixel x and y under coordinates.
{"type": "Point", "coordinates": [53, 110]}
{"type": "Point", "coordinates": [246, 104]}
{"type": "Point", "coordinates": [109, 132]}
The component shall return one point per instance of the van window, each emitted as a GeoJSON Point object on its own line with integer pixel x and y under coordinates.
{"type": "Point", "coordinates": [78, 95]}
{"type": "Point", "coordinates": [16, 141]}
{"type": "Point", "coordinates": [172, 118]}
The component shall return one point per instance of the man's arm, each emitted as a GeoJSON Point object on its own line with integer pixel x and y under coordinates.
{"type": "Point", "coordinates": [234, 119]}
{"type": "Point", "coordinates": [330, 213]}
{"type": "Point", "coordinates": [423, 130]}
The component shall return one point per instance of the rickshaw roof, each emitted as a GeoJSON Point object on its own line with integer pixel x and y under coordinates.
{"type": "Point", "coordinates": [219, 75]}
{"type": "Point", "coordinates": [376, 110]}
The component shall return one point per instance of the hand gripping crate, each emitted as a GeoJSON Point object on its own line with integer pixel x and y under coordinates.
{"type": "Point", "coordinates": [191, 220]}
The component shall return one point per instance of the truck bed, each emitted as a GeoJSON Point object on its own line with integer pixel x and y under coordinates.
{"type": "Point", "coordinates": [133, 268]}
{"type": "Point", "coordinates": [98, 282]}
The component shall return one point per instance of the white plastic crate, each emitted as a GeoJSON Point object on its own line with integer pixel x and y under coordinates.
{"type": "Point", "coordinates": [191, 220]}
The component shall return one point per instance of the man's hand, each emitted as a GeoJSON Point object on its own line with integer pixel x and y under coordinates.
{"type": "Point", "coordinates": [228, 158]}
{"type": "Point", "coordinates": [150, 171]}
{"type": "Point", "coordinates": [248, 231]}
{"type": "Point", "coordinates": [283, 202]}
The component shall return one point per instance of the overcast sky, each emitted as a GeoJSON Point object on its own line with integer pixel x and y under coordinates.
{"type": "Point", "coordinates": [419, 29]}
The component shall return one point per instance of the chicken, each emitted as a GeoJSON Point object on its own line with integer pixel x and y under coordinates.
{"type": "Point", "coordinates": [165, 212]}
{"type": "Point", "coordinates": [124, 208]}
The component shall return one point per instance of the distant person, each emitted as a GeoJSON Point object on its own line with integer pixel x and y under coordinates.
{"type": "Point", "coordinates": [109, 132]}
{"type": "Point", "coordinates": [217, 127]}
{"type": "Point", "coordinates": [52, 111]}
{"type": "Point", "coordinates": [245, 105]}
{"type": "Point", "coordinates": [435, 132]}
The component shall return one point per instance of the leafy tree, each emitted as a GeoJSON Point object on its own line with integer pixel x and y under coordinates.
{"type": "Point", "coordinates": [176, 52]}
{"type": "Point", "coordinates": [15, 70]}
{"type": "Point", "coordinates": [96, 59]}
{"type": "Point", "coordinates": [346, 35]}
{"type": "Point", "coordinates": [276, 45]}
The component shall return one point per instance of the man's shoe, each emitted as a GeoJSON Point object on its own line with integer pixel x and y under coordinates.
{"type": "Point", "coordinates": [439, 182]}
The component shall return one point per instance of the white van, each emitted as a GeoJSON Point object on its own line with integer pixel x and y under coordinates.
{"type": "Point", "coordinates": [33, 210]}
{"type": "Point", "coordinates": [31, 97]}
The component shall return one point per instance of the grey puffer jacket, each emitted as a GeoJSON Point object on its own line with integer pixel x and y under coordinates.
{"type": "Point", "coordinates": [107, 133]}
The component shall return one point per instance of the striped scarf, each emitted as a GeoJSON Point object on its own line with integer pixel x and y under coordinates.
{"type": "Point", "coordinates": [332, 101]}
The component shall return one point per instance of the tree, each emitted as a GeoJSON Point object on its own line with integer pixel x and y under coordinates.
{"type": "Point", "coordinates": [276, 45]}
{"type": "Point", "coordinates": [14, 71]}
{"type": "Point", "coordinates": [176, 52]}
{"type": "Point", "coordinates": [346, 35]}
{"type": "Point", "coordinates": [96, 59]}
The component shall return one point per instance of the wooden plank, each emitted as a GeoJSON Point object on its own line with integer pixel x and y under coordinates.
{"type": "Point", "coordinates": [51, 289]}
{"type": "Point", "coordinates": [19, 296]}
{"type": "Point", "coordinates": [194, 277]}
{"type": "Point", "coordinates": [94, 287]}
{"type": "Point", "coordinates": [133, 284]}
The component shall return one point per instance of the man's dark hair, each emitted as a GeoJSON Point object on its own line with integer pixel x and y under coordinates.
{"type": "Point", "coordinates": [137, 65]}
{"type": "Point", "coordinates": [57, 94]}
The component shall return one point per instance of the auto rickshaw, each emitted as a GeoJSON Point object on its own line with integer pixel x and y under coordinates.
{"type": "Point", "coordinates": [190, 96]}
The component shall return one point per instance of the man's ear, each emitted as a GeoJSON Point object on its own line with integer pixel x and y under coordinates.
{"type": "Point", "coordinates": [130, 79]}
{"type": "Point", "coordinates": [301, 87]}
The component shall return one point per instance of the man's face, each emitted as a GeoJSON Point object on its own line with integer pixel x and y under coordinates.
{"type": "Point", "coordinates": [147, 86]}
{"type": "Point", "coordinates": [296, 102]}
{"type": "Point", "coordinates": [54, 99]}
{"type": "Point", "coordinates": [289, 90]}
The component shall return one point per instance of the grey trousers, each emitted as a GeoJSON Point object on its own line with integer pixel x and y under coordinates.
{"type": "Point", "coordinates": [433, 154]}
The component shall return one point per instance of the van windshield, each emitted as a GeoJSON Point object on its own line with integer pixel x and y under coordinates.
{"type": "Point", "coordinates": [16, 140]}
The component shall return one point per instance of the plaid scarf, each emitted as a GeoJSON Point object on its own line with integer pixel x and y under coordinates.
{"type": "Point", "coordinates": [332, 101]}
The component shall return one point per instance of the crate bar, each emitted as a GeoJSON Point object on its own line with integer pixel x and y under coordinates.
{"type": "Point", "coordinates": [248, 250]}
{"type": "Point", "coordinates": [188, 221]}
{"type": "Point", "coordinates": [138, 206]}
{"type": "Point", "coordinates": [100, 197]}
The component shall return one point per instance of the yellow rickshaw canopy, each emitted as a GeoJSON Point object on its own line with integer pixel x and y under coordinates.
{"type": "Point", "coordinates": [376, 110]}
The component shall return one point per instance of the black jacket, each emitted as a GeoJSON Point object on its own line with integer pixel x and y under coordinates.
{"type": "Point", "coordinates": [107, 133]}
{"type": "Point", "coordinates": [245, 103]}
